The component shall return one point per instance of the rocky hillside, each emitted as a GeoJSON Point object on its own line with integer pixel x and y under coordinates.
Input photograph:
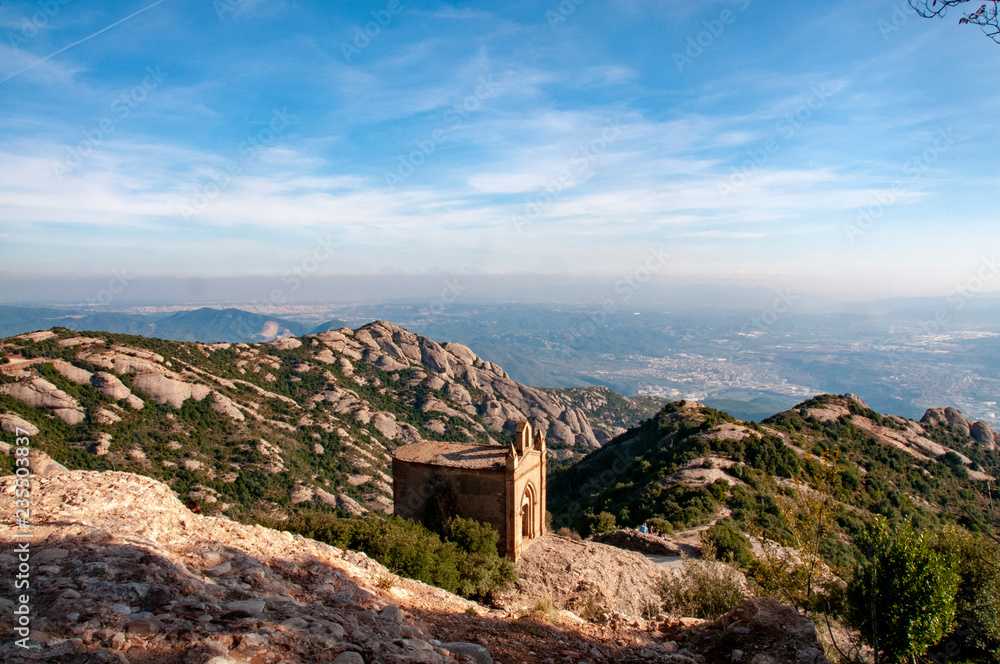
{"type": "Point", "coordinates": [121, 571]}
{"type": "Point", "coordinates": [692, 465]}
{"type": "Point", "coordinates": [296, 421]}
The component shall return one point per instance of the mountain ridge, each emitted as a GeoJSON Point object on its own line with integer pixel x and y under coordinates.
{"type": "Point", "coordinates": [297, 420]}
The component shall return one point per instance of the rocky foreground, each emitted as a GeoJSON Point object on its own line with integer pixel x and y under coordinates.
{"type": "Point", "coordinates": [121, 571]}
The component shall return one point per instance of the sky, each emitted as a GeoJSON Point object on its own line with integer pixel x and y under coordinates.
{"type": "Point", "coordinates": [847, 148]}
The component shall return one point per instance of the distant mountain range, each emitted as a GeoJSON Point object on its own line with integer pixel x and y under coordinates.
{"type": "Point", "coordinates": [206, 325]}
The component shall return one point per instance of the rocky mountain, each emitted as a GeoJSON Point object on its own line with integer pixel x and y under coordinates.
{"type": "Point", "coordinates": [122, 572]}
{"type": "Point", "coordinates": [692, 465]}
{"type": "Point", "coordinates": [306, 420]}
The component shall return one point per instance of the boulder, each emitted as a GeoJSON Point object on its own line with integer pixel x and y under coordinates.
{"type": "Point", "coordinates": [40, 393]}
{"type": "Point", "coordinates": [105, 416]}
{"type": "Point", "coordinates": [163, 389]}
{"type": "Point", "coordinates": [983, 434]}
{"type": "Point", "coordinates": [934, 417]}
{"type": "Point", "coordinates": [385, 423]}
{"type": "Point", "coordinates": [473, 651]}
{"type": "Point", "coordinates": [956, 419]}
{"type": "Point", "coordinates": [15, 424]}
{"type": "Point", "coordinates": [222, 404]}
{"type": "Point", "coordinates": [109, 385]}
{"type": "Point", "coordinates": [102, 445]}
{"type": "Point", "coordinates": [788, 637]}
{"type": "Point", "coordinates": [74, 373]}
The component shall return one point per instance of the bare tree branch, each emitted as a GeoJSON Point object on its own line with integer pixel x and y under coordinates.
{"type": "Point", "coordinates": [987, 16]}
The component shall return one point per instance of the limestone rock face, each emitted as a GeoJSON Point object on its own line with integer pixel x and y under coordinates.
{"type": "Point", "coordinates": [386, 425]}
{"type": "Point", "coordinates": [163, 389]}
{"type": "Point", "coordinates": [223, 404]}
{"type": "Point", "coordinates": [956, 419]}
{"type": "Point", "coordinates": [983, 434]}
{"type": "Point", "coordinates": [11, 423]}
{"type": "Point", "coordinates": [40, 393]}
{"type": "Point", "coordinates": [74, 373]}
{"type": "Point", "coordinates": [934, 416]}
{"type": "Point", "coordinates": [110, 386]}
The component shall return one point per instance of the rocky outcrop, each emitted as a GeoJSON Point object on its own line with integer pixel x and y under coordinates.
{"type": "Point", "coordinates": [123, 569]}
{"type": "Point", "coordinates": [15, 424]}
{"type": "Point", "coordinates": [453, 366]}
{"type": "Point", "coordinates": [760, 630]}
{"type": "Point", "coordinates": [39, 462]}
{"type": "Point", "coordinates": [946, 416]}
{"type": "Point", "coordinates": [164, 389]}
{"type": "Point", "coordinates": [223, 404]}
{"type": "Point", "coordinates": [984, 435]}
{"type": "Point", "coordinates": [73, 372]}
{"type": "Point", "coordinates": [102, 445]}
{"type": "Point", "coordinates": [574, 574]}
{"type": "Point", "coordinates": [980, 431]}
{"type": "Point", "coordinates": [40, 393]}
{"type": "Point", "coordinates": [110, 386]}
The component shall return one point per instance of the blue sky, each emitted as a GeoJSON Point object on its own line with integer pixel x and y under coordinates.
{"type": "Point", "coordinates": [842, 147]}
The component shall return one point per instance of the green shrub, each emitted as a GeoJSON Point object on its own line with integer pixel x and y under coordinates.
{"type": "Point", "coordinates": [977, 602]}
{"type": "Point", "coordinates": [725, 542]}
{"type": "Point", "coordinates": [902, 599]}
{"type": "Point", "coordinates": [603, 522]}
{"type": "Point", "coordinates": [660, 525]}
{"type": "Point", "coordinates": [704, 589]}
{"type": "Point", "coordinates": [468, 565]}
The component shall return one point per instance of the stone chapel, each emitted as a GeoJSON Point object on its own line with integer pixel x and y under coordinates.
{"type": "Point", "coordinates": [504, 487]}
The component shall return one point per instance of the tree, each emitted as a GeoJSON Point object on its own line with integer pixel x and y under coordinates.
{"type": "Point", "coordinates": [902, 599]}
{"type": "Point", "coordinates": [977, 602]}
{"type": "Point", "coordinates": [798, 575]}
{"type": "Point", "coordinates": [986, 16]}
